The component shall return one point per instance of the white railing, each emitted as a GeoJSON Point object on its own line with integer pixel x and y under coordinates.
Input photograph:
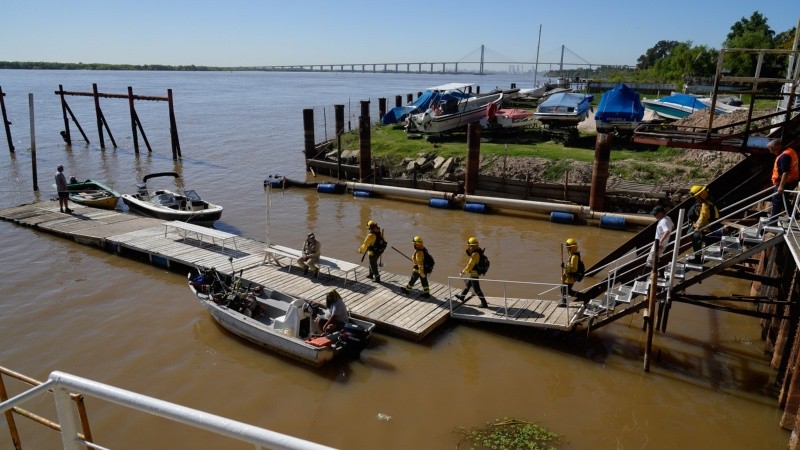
{"type": "Point", "coordinates": [791, 235]}
{"type": "Point", "coordinates": [63, 383]}
{"type": "Point", "coordinates": [552, 292]}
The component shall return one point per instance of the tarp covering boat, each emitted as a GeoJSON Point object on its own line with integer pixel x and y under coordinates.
{"type": "Point", "coordinates": [421, 104]}
{"type": "Point", "coordinates": [620, 107]}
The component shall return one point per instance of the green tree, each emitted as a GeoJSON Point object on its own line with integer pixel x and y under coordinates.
{"type": "Point", "coordinates": [752, 33]}
{"type": "Point", "coordinates": [661, 50]}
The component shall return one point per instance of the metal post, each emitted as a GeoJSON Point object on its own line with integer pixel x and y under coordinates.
{"type": "Point", "coordinates": [33, 143]}
{"type": "Point", "coordinates": [67, 419]}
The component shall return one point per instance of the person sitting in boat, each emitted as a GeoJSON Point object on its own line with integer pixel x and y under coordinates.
{"type": "Point", "coordinates": [312, 248]}
{"type": "Point", "coordinates": [337, 313]}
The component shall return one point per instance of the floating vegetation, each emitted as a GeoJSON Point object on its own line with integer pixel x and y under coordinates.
{"type": "Point", "coordinates": [508, 434]}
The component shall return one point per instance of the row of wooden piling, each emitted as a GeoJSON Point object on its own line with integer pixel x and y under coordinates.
{"type": "Point", "coordinates": [102, 124]}
{"type": "Point", "coordinates": [312, 151]}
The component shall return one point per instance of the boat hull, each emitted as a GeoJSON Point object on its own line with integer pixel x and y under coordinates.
{"type": "Point", "coordinates": [262, 328]}
{"type": "Point", "coordinates": [206, 216]}
{"type": "Point", "coordinates": [93, 194]}
{"type": "Point", "coordinates": [469, 111]}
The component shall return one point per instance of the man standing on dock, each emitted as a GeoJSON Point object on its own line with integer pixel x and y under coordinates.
{"type": "Point", "coordinates": [63, 192]}
{"type": "Point", "coordinates": [374, 244]}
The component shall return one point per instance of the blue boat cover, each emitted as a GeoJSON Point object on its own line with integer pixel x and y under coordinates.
{"type": "Point", "coordinates": [421, 104]}
{"type": "Point", "coordinates": [685, 100]}
{"type": "Point", "coordinates": [621, 104]}
{"type": "Point", "coordinates": [580, 102]}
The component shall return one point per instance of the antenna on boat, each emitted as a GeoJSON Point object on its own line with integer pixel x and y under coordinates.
{"type": "Point", "coordinates": [536, 66]}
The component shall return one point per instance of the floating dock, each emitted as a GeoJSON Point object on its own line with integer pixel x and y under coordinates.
{"type": "Point", "coordinates": [159, 243]}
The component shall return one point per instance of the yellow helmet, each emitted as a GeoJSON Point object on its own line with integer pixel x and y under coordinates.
{"type": "Point", "coordinates": [371, 223]}
{"type": "Point", "coordinates": [417, 240]}
{"type": "Point", "coordinates": [698, 191]}
{"type": "Point", "coordinates": [472, 241]}
{"type": "Point", "coordinates": [571, 242]}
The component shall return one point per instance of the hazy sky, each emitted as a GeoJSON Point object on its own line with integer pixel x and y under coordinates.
{"type": "Point", "coordinates": [261, 33]}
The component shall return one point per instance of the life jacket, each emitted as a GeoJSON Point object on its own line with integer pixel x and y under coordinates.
{"type": "Point", "coordinates": [794, 172]}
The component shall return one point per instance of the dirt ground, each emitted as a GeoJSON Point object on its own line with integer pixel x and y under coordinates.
{"type": "Point", "coordinates": [710, 163]}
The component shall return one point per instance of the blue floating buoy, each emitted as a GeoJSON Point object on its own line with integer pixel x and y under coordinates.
{"type": "Point", "coordinates": [439, 203]}
{"type": "Point", "coordinates": [562, 217]}
{"type": "Point", "coordinates": [362, 194]}
{"type": "Point", "coordinates": [327, 188]}
{"type": "Point", "coordinates": [276, 181]}
{"type": "Point", "coordinates": [613, 222]}
{"type": "Point", "coordinates": [476, 207]}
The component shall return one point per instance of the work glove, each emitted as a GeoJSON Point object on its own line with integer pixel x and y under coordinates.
{"type": "Point", "coordinates": [416, 267]}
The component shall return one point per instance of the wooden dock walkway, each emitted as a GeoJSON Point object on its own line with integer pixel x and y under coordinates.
{"type": "Point", "coordinates": [407, 316]}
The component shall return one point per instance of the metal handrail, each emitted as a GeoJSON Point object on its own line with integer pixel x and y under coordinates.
{"type": "Point", "coordinates": [62, 383]}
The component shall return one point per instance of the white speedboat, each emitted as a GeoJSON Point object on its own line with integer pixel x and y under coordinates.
{"type": "Point", "coordinates": [455, 113]}
{"type": "Point", "coordinates": [168, 205]}
{"type": "Point", "coordinates": [276, 321]}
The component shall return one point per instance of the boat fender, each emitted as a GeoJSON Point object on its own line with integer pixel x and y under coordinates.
{"type": "Point", "coordinates": [491, 112]}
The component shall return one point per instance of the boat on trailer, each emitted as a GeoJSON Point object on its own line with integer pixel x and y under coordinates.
{"type": "Point", "coordinates": [451, 113]}
{"type": "Point", "coordinates": [275, 320]}
{"type": "Point", "coordinates": [564, 109]}
{"type": "Point", "coordinates": [168, 205]}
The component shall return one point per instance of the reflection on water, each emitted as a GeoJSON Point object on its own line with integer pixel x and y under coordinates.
{"type": "Point", "coordinates": [81, 310]}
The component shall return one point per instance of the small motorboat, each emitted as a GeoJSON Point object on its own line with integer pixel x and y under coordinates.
{"type": "Point", "coordinates": [513, 118]}
{"type": "Point", "coordinates": [275, 320]}
{"type": "Point", "coordinates": [564, 109]}
{"type": "Point", "coordinates": [92, 193]}
{"type": "Point", "coordinates": [677, 106]}
{"type": "Point", "coordinates": [451, 113]}
{"type": "Point", "coordinates": [619, 110]}
{"type": "Point", "coordinates": [168, 205]}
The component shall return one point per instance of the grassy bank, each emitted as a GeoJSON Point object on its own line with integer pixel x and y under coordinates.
{"type": "Point", "coordinates": [629, 161]}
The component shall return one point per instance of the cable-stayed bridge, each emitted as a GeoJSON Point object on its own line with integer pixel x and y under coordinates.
{"type": "Point", "coordinates": [480, 61]}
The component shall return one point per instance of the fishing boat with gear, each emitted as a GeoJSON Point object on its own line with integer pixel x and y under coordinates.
{"type": "Point", "coordinates": [289, 325]}
{"type": "Point", "coordinates": [92, 193]}
{"type": "Point", "coordinates": [168, 205]}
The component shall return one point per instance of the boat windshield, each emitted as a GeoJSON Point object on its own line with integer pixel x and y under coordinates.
{"type": "Point", "coordinates": [192, 196]}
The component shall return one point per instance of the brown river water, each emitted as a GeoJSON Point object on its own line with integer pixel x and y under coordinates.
{"type": "Point", "coordinates": [81, 310]}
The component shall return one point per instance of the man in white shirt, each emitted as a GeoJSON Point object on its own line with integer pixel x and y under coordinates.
{"type": "Point", "coordinates": [664, 229]}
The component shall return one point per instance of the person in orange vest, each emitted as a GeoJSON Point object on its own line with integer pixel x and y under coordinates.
{"type": "Point", "coordinates": [785, 174]}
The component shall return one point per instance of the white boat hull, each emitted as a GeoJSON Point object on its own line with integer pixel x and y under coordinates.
{"type": "Point", "coordinates": [469, 111]}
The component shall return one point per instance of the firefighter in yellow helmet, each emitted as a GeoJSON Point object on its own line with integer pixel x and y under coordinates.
{"type": "Point", "coordinates": [373, 246]}
{"type": "Point", "coordinates": [423, 265]}
{"type": "Point", "coordinates": [475, 268]}
{"type": "Point", "coordinates": [569, 270]}
{"type": "Point", "coordinates": [702, 214]}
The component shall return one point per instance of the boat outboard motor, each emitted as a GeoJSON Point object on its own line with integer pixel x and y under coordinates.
{"type": "Point", "coordinates": [355, 335]}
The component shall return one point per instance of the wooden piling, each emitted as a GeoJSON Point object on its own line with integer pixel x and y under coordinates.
{"type": "Point", "coordinates": [6, 123]}
{"type": "Point", "coordinates": [365, 144]}
{"type": "Point", "coordinates": [398, 101]}
{"type": "Point", "coordinates": [651, 305]}
{"type": "Point", "coordinates": [381, 107]}
{"type": "Point", "coordinates": [173, 128]}
{"type": "Point", "coordinates": [133, 121]}
{"type": "Point", "coordinates": [473, 158]}
{"type": "Point", "coordinates": [99, 114]}
{"type": "Point", "coordinates": [308, 132]}
{"type": "Point", "coordinates": [602, 156]}
{"type": "Point", "coordinates": [409, 98]}
{"type": "Point", "coordinates": [338, 112]}
{"type": "Point", "coordinates": [66, 134]}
